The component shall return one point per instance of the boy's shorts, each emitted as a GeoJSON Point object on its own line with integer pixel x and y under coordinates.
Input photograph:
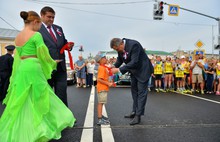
{"type": "Point", "coordinates": [102, 97]}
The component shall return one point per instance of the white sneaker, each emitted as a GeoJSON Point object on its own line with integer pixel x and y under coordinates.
{"type": "Point", "coordinates": [102, 122]}
{"type": "Point", "coordinates": [105, 119]}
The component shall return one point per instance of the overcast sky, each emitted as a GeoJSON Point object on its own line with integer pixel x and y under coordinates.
{"type": "Point", "coordinates": [93, 23]}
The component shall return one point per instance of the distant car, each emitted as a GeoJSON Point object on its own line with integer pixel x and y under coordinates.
{"type": "Point", "coordinates": [71, 74]}
{"type": "Point", "coordinates": [124, 79]}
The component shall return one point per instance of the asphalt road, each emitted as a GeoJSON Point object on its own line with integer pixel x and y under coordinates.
{"type": "Point", "coordinates": [169, 117]}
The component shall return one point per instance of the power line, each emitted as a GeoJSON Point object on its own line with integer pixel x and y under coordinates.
{"type": "Point", "coordinates": [89, 3]}
{"type": "Point", "coordinates": [8, 23]}
{"type": "Point", "coordinates": [124, 17]}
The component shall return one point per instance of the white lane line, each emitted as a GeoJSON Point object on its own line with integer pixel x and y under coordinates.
{"type": "Point", "coordinates": [202, 98]}
{"type": "Point", "coordinates": [87, 134]}
{"type": "Point", "coordinates": [106, 130]}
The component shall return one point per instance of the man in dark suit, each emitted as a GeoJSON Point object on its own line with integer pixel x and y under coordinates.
{"type": "Point", "coordinates": [6, 62]}
{"type": "Point", "coordinates": [54, 39]}
{"type": "Point", "coordinates": [138, 64]}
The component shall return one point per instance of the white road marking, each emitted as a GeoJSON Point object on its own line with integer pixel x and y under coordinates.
{"type": "Point", "coordinates": [202, 98]}
{"type": "Point", "coordinates": [106, 130]}
{"type": "Point", "coordinates": [87, 134]}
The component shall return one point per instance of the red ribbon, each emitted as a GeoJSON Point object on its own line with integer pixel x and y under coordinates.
{"type": "Point", "coordinates": [109, 72]}
{"type": "Point", "coordinates": [66, 47]}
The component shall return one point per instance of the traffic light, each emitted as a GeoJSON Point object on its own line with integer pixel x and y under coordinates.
{"type": "Point", "coordinates": [160, 8]}
{"type": "Point", "coordinates": [158, 11]}
{"type": "Point", "coordinates": [218, 45]}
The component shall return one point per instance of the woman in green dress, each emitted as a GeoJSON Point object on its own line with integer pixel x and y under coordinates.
{"type": "Point", "coordinates": [33, 112]}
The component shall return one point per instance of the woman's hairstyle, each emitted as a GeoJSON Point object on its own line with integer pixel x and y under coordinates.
{"type": "Point", "coordinates": [29, 16]}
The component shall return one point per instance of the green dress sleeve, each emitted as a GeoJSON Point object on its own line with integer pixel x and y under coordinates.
{"type": "Point", "coordinates": [47, 63]}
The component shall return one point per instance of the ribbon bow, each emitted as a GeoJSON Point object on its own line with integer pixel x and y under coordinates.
{"type": "Point", "coordinates": [66, 47]}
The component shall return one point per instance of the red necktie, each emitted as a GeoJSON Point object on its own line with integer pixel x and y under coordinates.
{"type": "Point", "coordinates": [52, 34]}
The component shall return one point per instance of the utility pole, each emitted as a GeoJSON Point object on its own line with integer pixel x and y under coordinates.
{"type": "Point", "coordinates": [213, 40]}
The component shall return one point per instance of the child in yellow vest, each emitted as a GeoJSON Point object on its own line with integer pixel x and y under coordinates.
{"type": "Point", "coordinates": [168, 73]}
{"type": "Point", "coordinates": [186, 80]}
{"type": "Point", "coordinates": [179, 75]}
{"type": "Point", "coordinates": [158, 72]}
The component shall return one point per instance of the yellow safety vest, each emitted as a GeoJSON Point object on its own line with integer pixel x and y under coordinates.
{"type": "Point", "coordinates": [186, 66]}
{"type": "Point", "coordinates": [179, 73]}
{"type": "Point", "coordinates": [158, 68]}
{"type": "Point", "coordinates": [217, 70]}
{"type": "Point", "coordinates": [168, 68]}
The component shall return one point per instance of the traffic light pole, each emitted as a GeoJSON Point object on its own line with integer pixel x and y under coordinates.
{"type": "Point", "coordinates": [217, 19]}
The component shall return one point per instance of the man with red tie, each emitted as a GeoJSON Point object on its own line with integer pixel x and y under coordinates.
{"type": "Point", "coordinates": [54, 39]}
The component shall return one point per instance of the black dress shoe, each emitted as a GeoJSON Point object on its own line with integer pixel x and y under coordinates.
{"type": "Point", "coordinates": [131, 115]}
{"type": "Point", "coordinates": [136, 120]}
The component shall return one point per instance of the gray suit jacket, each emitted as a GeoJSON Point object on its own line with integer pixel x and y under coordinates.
{"type": "Point", "coordinates": [55, 47]}
{"type": "Point", "coordinates": [136, 61]}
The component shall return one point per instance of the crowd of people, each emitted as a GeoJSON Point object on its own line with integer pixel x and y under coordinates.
{"type": "Point", "coordinates": [183, 75]}
{"type": "Point", "coordinates": [201, 75]}
{"type": "Point", "coordinates": [86, 71]}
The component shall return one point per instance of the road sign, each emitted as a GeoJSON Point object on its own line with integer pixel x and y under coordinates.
{"type": "Point", "coordinates": [199, 44]}
{"type": "Point", "coordinates": [173, 10]}
{"type": "Point", "coordinates": [196, 52]}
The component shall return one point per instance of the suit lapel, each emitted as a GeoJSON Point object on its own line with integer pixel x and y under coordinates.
{"type": "Point", "coordinates": [47, 33]}
{"type": "Point", "coordinates": [126, 51]}
{"type": "Point", "coordinates": [58, 34]}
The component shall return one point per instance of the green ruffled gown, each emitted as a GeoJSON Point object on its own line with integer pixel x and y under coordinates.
{"type": "Point", "coordinates": [33, 112]}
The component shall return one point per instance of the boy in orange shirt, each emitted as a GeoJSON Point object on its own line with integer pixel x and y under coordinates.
{"type": "Point", "coordinates": [103, 84]}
